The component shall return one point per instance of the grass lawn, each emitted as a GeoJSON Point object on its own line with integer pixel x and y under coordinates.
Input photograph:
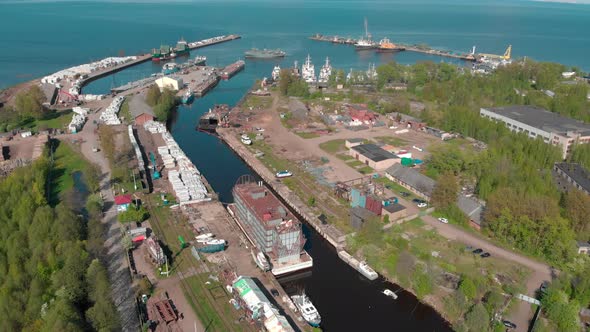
{"type": "Point", "coordinates": [202, 306]}
{"type": "Point", "coordinates": [365, 170]}
{"type": "Point", "coordinates": [391, 140]}
{"type": "Point", "coordinates": [333, 146]}
{"type": "Point", "coordinates": [67, 161]}
{"type": "Point", "coordinates": [58, 120]}
{"type": "Point", "coordinates": [307, 135]}
{"type": "Point", "coordinates": [396, 188]}
{"type": "Point", "coordinates": [258, 101]}
{"type": "Point", "coordinates": [354, 163]}
{"type": "Point", "coordinates": [125, 112]}
{"type": "Point", "coordinates": [344, 157]}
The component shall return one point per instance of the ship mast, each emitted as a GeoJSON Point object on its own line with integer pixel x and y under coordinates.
{"type": "Point", "coordinates": [367, 29]}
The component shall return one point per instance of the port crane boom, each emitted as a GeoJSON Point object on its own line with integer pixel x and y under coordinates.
{"type": "Point", "coordinates": [507, 54]}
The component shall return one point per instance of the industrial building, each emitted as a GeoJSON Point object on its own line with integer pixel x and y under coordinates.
{"type": "Point", "coordinates": [170, 82]}
{"type": "Point", "coordinates": [270, 226]}
{"type": "Point", "coordinates": [411, 179]}
{"type": "Point", "coordinates": [538, 122]}
{"type": "Point", "coordinates": [571, 175]}
{"type": "Point", "coordinates": [374, 156]}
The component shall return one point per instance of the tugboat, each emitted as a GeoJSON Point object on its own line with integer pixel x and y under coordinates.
{"type": "Point", "coordinates": [245, 139]}
{"type": "Point", "coordinates": [212, 245]}
{"type": "Point", "coordinates": [307, 309]}
{"type": "Point", "coordinates": [188, 96]}
{"type": "Point", "coordinates": [390, 293]}
{"type": "Point", "coordinates": [261, 261]}
{"type": "Point", "coordinates": [308, 71]}
{"type": "Point", "coordinates": [169, 68]}
{"type": "Point", "coordinates": [276, 73]}
{"type": "Point", "coordinates": [365, 43]}
{"type": "Point", "coordinates": [325, 72]}
{"type": "Point", "coordinates": [387, 46]}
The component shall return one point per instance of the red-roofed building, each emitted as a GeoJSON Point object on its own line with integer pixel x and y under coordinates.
{"type": "Point", "coordinates": [122, 202]}
{"type": "Point", "coordinates": [360, 115]}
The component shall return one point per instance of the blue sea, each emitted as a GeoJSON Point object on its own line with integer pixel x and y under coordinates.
{"type": "Point", "coordinates": [41, 37]}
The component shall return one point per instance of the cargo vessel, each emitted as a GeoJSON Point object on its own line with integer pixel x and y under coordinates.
{"type": "Point", "coordinates": [231, 70]}
{"type": "Point", "coordinates": [269, 226]}
{"type": "Point", "coordinates": [161, 54]}
{"type": "Point", "coordinates": [181, 48]}
{"type": "Point", "coordinates": [264, 54]}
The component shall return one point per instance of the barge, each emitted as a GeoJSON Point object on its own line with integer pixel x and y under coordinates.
{"type": "Point", "coordinates": [230, 70]}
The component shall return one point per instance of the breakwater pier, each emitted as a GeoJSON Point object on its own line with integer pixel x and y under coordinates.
{"type": "Point", "coordinates": [403, 47]}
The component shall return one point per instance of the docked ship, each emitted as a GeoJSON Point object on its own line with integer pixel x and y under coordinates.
{"type": "Point", "coordinates": [181, 48]}
{"type": "Point", "coordinates": [385, 46]}
{"type": "Point", "coordinates": [276, 73]}
{"type": "Point", "coordinates": [210, 120]}
{"type": "Point", "coordinates": [161, 54]}
{"type": "Point", "coordinates": [188, 96]}
{"type": "Point", "coordinates": [307, 309]}
{"type": "Point", "coordinates": [308, 71]}
{"type": "Point", "coordinates": [261, 261]}
{"type": "Point", "coordinates": [365, 42]}
{"type": "Point", "coordinates": [264, 54]}
{"type": "Point", "coordinates": [232, 69]}
{"type": "Point", "coordinates": [325, 72]}
{"type": "Point", "coordinates": [200, 60]}
{"type": "Point", "coordinates": [269, 226]}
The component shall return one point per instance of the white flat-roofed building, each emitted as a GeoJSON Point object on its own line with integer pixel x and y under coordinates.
{"type": "Point", "coordinates": [538, 122]}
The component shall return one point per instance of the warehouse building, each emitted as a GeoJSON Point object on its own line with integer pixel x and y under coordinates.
{"type": "Point", "coordinates": [374, 156]}
{"type": "Point", "coordinates": [170, 82]}
{"type": "Point", "coordinates": [538, 122]}
{"type": "Point", "coordinates": [411, 179]}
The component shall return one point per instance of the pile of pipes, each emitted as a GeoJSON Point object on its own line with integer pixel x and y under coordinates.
{"type": "Point", "coordinates": [78, 119]}
{"type": "Point", "coordinates": [138, 155]}
{"type": "Point", "coordinates": [88, 97]}
{"type": "Point", "coordinates": [83, 70]}
{"type": "Point", "coordinates": [109, 115]}
{"type": "Point", "coordinates": [155, 127]}
{"type": "Point", "coordinates": [186, 180]}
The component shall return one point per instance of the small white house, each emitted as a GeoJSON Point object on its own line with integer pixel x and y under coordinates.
{"type": "Point", "coordinates": [26, 134]}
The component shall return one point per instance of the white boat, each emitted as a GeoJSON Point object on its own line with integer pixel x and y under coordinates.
{"type": "Point", "coordinates": [325, 72]}
{"type": "Point", "coordinates": [365, 43]}
{"type": "Point", "coordinates": [245, 139]}
{"type": "Point", "coordinates": [390, 293]}
{"type": "Point", "coordinates": [307, 309]}
{"type": "Point", "coordinates": [284, 174]}
{"type": "Point", "coordinates": [308, 71]}
{"type": "Point", "coordinates": [204, 237]}
{"type": "Point", "coordinates": [276, 73]}
{"type": "Point", "coordinates": [367, 271]}
{"type": "Point", "coordinates": [261, 261]}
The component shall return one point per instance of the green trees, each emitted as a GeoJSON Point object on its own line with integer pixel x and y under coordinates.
{"type": "Point", "coordinates": [445, 191]}
{"type": "Point", "coordinates": [477, 319]}
{"type": "Point", "coordinates": [30, 103]}
{"type": "Point", "coordinates": [577, 210]}
{"type": "Point", "coordinates": [290, 85]}
{"type": "Point", "coordinates": [133, 214]}
{"type": "Point", "coordinates": [44, 258]}
{"type": "Point", "coordinates": [467, 287]}
{"type": "Point", "coordinates": [163, 102]}
{"type": "Point", "coordinates": [560, 310]}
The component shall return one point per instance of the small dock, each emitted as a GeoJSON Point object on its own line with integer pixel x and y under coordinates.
{"type": "Point", "coordinates": [409, 48]}
{"type": "Point", "coordinates": [146, 57]}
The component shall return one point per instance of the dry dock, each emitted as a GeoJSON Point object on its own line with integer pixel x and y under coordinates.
{"type": "Point", "coordinates": [410, 48]}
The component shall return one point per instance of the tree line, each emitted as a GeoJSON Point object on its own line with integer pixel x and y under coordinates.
{"type": "Point", "coordinates": [51, 275]}
{"type": "Point", "coordinates": [163, 102]}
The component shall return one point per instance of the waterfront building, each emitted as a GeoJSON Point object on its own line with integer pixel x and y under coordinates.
{"type": "Point", "coordinates": [270, 226]}
{"type": "Point", "coordinates": [537, 122]}
{"type": "Point", "coordinates": [571, 175]}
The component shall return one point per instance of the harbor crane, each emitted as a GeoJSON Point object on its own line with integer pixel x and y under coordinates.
{"type": "Point", "coordinates": [507, 54]}
{"type": "Point", "coordinates": [156, 174]}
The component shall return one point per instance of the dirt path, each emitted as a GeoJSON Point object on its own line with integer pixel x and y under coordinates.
{"type": "Point", "coordinates": [540, 271]}
{"type": "Point", "coordinates": [117, 266]}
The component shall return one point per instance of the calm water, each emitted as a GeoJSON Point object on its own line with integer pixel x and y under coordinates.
{"type": "Point", "coordinates": [40, 38]}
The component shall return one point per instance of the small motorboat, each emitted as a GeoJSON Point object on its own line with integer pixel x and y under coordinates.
{"type": "Point", "coordinates": [390, 293]}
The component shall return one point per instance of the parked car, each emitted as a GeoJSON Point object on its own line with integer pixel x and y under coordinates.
{"type": "Point", "coordinates": [274, 292]}
{"type": "Point", "coordinates": [443, 220]}
{"type": "Point", "coordinates": [477, 251]}
{"type": "Point", "coordinates": [404, 194]}
{"type": "Point", "coordinates": [422, 205]}
{"type": "Point", "coordinates": [509, 324]}
{"type": "Point", "coordinates": [485, 255]}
